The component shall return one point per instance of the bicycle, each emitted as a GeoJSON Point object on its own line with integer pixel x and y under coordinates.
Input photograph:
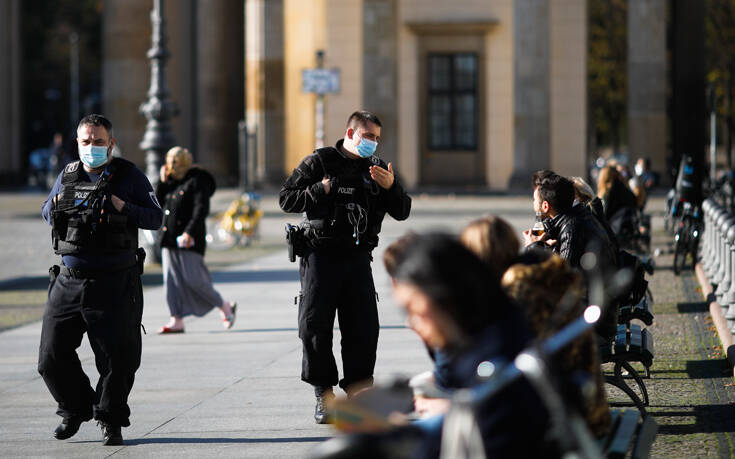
{"type": "Point", "coordinates": [238, 225]}
{"type": "Point", "coordinates": [686, 238]}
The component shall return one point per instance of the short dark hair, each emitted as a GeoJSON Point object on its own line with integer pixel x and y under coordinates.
{"type": "Point", "coordinates": [540, 175]}
{"type": "Point", "coordinates": [558, 191]}
{"type": "Point", "coordinates": [361, 118]}
{"type": "Point", "coordinates": [96, 120]}
{"type": "Point", "coordinates": [460, 284]}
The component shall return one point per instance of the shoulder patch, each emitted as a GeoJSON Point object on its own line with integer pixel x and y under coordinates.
{"type": "Point", "coordinates": [71, 167]}
{"type": "Point", "coordinates": [153, 198]}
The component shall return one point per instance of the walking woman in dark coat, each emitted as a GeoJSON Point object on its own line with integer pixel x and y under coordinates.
{"type": "Point", "coordinates": [184, 192]}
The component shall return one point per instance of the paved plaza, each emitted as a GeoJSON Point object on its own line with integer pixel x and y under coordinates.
{"type": "Point", "coordinates": [216, 393]}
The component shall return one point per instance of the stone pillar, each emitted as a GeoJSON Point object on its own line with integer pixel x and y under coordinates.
{"type": "Point", "coordinates": [379, 85]}
{"type": "Point", "coordinates": [181, 69]}
{"type": "Point", "coordinates": [531, 90]}
{"type": "Point", "coordinates": [219, 102]}
{"type": "Point", "coordinates": [11, 156]}
{"type": "Point", "coordinates": [568, 87]}
{"type": "Point", "coordinates": [647, 81]}
{"type": "Point", "coordinates": [264, 81]}
{"type": "Point", "coordinates": [689, 111]}
{"type": "Point", "coordinates": [126, 30]}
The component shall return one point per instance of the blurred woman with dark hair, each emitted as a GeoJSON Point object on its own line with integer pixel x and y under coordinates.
{"type": "Point", "coordinates": [455, 304]}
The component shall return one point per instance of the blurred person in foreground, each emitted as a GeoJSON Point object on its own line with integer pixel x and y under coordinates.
{"type": "Point", "coordinates": [455, 305]}
{"type": "Point", "coordinates": [538, 286]}
{"type": "Point", "coordinates": [95, 209]}
{"type": "Point", "coordinates": [184, 192]}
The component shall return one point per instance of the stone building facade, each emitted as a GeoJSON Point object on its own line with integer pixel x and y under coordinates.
{"type": "Point", "coordinates": [473, 94]}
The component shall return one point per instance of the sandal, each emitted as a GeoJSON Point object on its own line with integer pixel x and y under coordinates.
{"type": "Point", "coordinates": [230, 320]}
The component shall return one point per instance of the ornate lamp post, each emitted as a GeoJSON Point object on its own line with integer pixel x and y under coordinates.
{"type": "Point", "coordinates": [158, 108]}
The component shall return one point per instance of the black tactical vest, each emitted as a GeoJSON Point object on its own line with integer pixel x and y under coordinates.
{"type": "Point", "coordinates": [353, 193]}
{"type": "Point", "coordinates": [84, 219]}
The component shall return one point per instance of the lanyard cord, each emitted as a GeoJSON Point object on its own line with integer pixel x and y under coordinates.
{"type": "Point", "coordinates": [357, 216]}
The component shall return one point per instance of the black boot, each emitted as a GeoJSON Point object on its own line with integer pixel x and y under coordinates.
{"type": "Point", "coordinates": [323, 396]}
{"type": "Point", "coordinates": [111, 434]}
{"type": "Point", "coordinates": [68, 427]}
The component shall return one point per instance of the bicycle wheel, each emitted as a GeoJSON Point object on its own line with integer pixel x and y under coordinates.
{"type": "Point", "coordinates": [219, 237]}
{"type": "Point", "coordinates": [681, 247]}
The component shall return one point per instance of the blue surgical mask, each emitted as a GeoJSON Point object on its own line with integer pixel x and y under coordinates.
{"type": "Point", "coordinates": [93, 156]}
{"type": "Point", "coordinates": [366, 147]}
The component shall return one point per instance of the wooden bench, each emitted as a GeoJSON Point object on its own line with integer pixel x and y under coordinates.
{"type": "Point", "coordinates": [631, 344]}
{"type": "Point", "coordinates": [629, 430]}
{"type": "Point", "coordinates": [642, 311]}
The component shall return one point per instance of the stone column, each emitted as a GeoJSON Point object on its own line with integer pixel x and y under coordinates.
{"type": "Point", "coordinates": [126, 30]}
{"type": "Point", "coordinates": [264, 81]}
{"type": "Point", "coordinates": [11, 156]}
{"type": "Point", "coordinates": [647, 81]}
{"type": "Point", "coordinates": [531, 90]}
{"type": "Point", "coordinates": [379, 85]}
{"type": "Point", "coordinates": [181, 69]}
{"type": "Point", "coordinates": [219, 102]}
{"type": "Point", "coordinates": [568, 110]}
{"type": "Point", "coordinates": [689, 111]}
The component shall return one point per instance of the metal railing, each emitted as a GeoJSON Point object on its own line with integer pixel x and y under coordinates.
{"type": "Point", "coordinates": [717, 256]}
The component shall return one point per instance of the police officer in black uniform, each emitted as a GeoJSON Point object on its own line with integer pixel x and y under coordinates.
{"type": "Point", "coordinates": [95, 208]}
{"type": "Point", "coordinates": [344, 192]}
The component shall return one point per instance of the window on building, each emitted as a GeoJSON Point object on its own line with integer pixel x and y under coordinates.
{"type": "Point", "coordinates": [452, 101]}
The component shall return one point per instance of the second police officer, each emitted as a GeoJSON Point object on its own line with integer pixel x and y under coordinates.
{"type": "Point", "coordinates": [344, 192]}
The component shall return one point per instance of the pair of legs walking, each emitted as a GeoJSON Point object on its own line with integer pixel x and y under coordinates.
{"type": "Point", "coordinates": [109, 309]}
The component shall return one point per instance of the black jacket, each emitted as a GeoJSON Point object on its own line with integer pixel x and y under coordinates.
{"type": "Point", "coordinates": [512, 423]}
{"type": "Point", "coordinates": [577, 231]}
{"type": "Point", "coordinates": [334, 219]}
{"type": "Point", "coordinates": [186, 206]}
{"type": "Point", "coordinates": [618, 197]}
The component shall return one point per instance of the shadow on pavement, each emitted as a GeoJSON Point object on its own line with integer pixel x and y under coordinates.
{"type": "Point", "coordinates": [153, 279]}
{"type": "Point", "coordinates": [703, 369]}
{"type": "Point", "coordinates": [707, 419]}
{"type": "Point", "coordinates": [699, 306]}
{"type": "Point", "coordinates": [167, 440]}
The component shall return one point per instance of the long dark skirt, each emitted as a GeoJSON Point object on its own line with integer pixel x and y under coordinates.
{"type": "Point", "coordinates": [188, 283]}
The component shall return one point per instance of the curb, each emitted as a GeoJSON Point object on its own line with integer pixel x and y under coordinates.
{"type": "Point", "coordinates": [715, 310]}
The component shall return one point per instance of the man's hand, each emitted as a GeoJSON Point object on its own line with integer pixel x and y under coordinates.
{"type": "Point", "coordinates": [384, 177]}
{"type": "Point", "coordinates": [529, 238]}
{"type": "Point", "coordinates": [117, 202]}
{"type": "Point", "coordinates": [327, 185]}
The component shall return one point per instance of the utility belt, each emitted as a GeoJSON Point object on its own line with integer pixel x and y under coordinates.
{"type": "Point", "coordinates": [97, 273]}
{"type": "Point", "coordinates": [305, 238]}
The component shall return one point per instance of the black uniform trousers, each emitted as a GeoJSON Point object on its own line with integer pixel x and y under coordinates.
{"type": "Point", "coordinates": [341, 283]}
{"type": "Point", "coordinates": [109, 308]}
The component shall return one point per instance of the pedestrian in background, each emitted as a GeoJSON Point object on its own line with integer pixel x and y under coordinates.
{"type": "Point", "coordinates": [95, 208]}
{"type": "Point", "coordinates": [184, 191]}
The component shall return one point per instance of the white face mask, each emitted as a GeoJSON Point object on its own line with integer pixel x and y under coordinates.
{"type": "Point", "coordinates": [638, 169]}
